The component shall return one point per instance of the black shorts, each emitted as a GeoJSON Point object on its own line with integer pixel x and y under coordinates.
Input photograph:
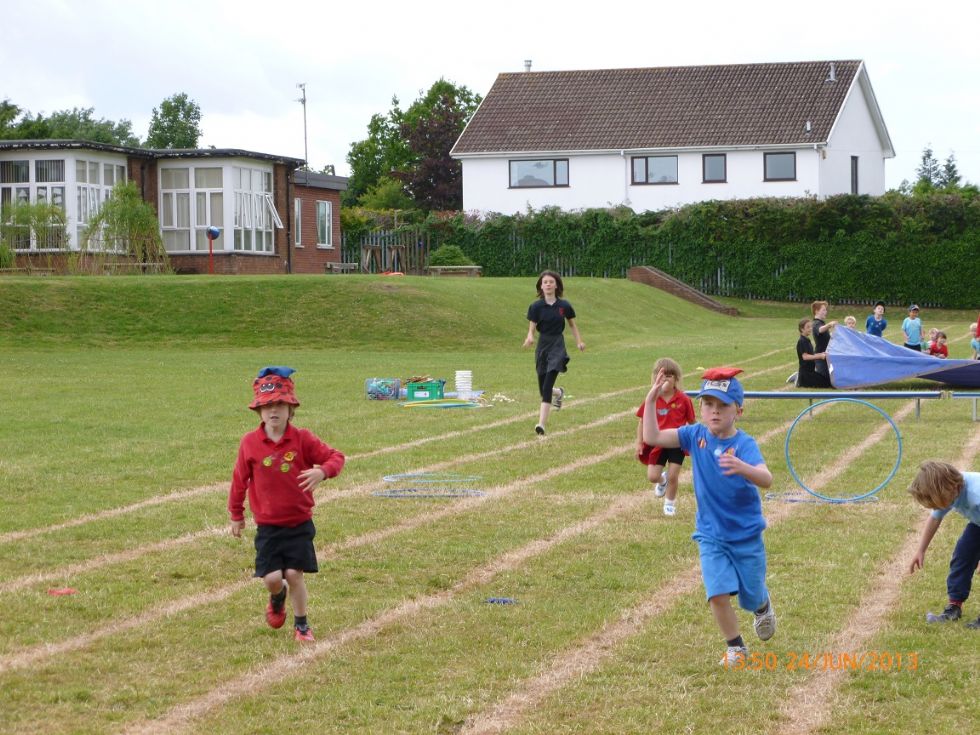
{"type": "Point", "coordinates": [278, 548]}
{"type": "Point", "coordinates": [674, 455]}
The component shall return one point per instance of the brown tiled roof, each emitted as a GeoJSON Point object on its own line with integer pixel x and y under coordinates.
{"type": "Point", "coordinates": [667, 107]}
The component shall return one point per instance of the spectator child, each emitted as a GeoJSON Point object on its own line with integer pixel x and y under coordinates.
{"type": "Point", "coordinates": [974, 342]}
{"type": "Point", "coordinates": [850, 322]}
{"type": "Point", "coordinates": [278, 468]}
{"type": "Point", "coordinates": [875, 323]}
{"type": "Point", "coordinates": [930, 340]}
{"type": "Point", "coordinates": [942, 488]}
{"type": "Point", "coordinates": [728, 472]}
{"type": "Point", "coordinates": [912, 329]}
{"type": "Point", "coordinates": [937, 347]}
{"type": "Point", "coordinates": [674, 409]}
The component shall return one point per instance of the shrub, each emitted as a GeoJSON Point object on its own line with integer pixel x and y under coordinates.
{"type": "Point", "coordinates": [449, 255]}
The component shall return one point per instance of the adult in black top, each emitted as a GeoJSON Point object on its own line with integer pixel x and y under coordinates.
{"type": "Point", "coordinates": [548, 315]}
{"type": "Point", "coordinates": [808, 377]}
{"type": "Point", "coordinates": [821, 337]}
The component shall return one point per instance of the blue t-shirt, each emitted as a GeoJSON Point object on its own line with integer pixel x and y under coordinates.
{"type": "Point", "coordinates": [913, 328]}
{"type": "Point", "coordinates": [729, 506]}
{"type": "Point", "coordinates": [967, 503]}
{"type": "Point", "coordinates": [875, 327]}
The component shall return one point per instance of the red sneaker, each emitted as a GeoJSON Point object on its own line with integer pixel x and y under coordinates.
{"type": "Point", "coordinates": [303, 636]}
{"type": "Point", "coordinates": [275, 612]}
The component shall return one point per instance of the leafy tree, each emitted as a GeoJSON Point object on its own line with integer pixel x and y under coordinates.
{"type": "Point", "coordinates": [928, 171]}
{"type": "Point", "coordinates": [388, 193]}
{"type": "Point", "coordinates": [382, 152]}
{"type": "Point", "coordinates": [176, 124]}
{"type": "Point", "coordinates": [430, 129]}
{"type": "Point", "coordinates": [413, 147]}
{"type": "Point", "coordinates": [75, 124]}
{"type": "Point", "coordinates": [126, 223]}
{"type": "Point", "coordinates": [949, 175]}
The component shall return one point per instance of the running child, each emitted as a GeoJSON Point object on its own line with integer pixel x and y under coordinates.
{"type": "Point", "coordinates": [278, 468]}
{"type": "Point", "coordinates": [674, 409]}
{"type": "Point", "coordinates": [728, 471]}
{"type": "Point", "coordinates": [942, 488]}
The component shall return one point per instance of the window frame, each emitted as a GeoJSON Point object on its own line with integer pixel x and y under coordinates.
{"type": "Point", "coordinates": [704, 168]}
{"type": "Point", "coordinates": [328, 224]}
{"type": "Point", "coordinates": [855, 167]}
{"type": "Point", "coordinates": [765, 166]}
{"type": "Point", "coordinates": [646, 171]}
{"type": "Point", "coordinates": [298, 222]}
{"type": "Point", "coordinates": [554, 173]}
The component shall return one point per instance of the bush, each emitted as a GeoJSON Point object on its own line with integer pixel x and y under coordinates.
{"type": "Point", "coordinates": [449, 255]}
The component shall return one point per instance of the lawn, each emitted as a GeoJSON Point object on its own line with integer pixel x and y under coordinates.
{"type": "Point", "coordinates": [126, 401]}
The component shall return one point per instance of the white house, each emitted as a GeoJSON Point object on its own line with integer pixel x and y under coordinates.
{"type": "Point", "coordinates": [655, 138]}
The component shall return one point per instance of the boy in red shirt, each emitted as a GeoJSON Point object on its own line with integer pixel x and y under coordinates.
{"type": "Point", "coordinates": [278, 467]}
{"type": "Point", "coordinates": [674, 409]}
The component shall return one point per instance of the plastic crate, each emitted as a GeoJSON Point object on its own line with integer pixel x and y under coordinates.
{"type": "Point", "coordinates": [426, 391]}
{"type": "Point", "coordinates": [383, 389]}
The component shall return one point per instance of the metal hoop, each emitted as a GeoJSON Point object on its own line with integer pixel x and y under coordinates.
{"type": "Point", "coordinates": [829, 499]}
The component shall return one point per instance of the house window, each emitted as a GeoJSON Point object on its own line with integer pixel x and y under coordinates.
{"type": "Point", "coordinates": [655, 169]}
{"type": "Point", "coordinates": [47, 187]}
{"type": "Point", "coordinates": [714, 168]}
{"type": "Point", "coordinates": [854, 174]}
{"type": "Point", "coordinates": [780, 166]}
{"type": "Point", "coordinates": [209, 203]}
{"type": "Point", "coordinates": [546, 172]}
{"type": "Point", "coordinates": [254, 214]}
{"type": "Point", "coordinates": [175, 208]}
{"type": "Point", "coordinates": [93, 186]}
{"type": "Point", "coordinates": [324, 225]}
{"type": "Point", "coordinates": [298, 222]}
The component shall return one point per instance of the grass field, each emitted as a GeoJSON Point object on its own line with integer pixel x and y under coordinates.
{"type": "Point", "coordinates": [126, 398]}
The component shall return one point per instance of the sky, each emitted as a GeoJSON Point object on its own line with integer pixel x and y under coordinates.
{"type": "Point", "coordinates": [241, 61]}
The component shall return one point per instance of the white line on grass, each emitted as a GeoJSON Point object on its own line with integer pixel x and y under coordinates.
{"type": "Point", "coordinates": [179, 495]}
{"type": "Point", "coordinates": [807, 707]}
{"type": "Point", "coordinates": [181, 717]}
{"type": "Point", "coordinates": [575, 663]}
{"type": "Point", "coordinates": [34, 655]}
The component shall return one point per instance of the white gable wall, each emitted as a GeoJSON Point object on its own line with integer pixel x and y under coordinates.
{"type": "Point", "coordinates": [603, 180]}
{"type": "Point", "coordinates": [854, 134]}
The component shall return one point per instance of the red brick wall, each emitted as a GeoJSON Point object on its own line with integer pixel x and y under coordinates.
{"type": "Point", "coordinates": [309, 258]}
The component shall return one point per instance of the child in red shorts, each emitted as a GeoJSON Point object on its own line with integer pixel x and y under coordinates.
{"type": "Point", "coordinates": [674, 409]}
{"type": "Point", "coordinates": [278, 468]}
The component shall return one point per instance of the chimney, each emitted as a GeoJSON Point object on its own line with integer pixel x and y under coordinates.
{"type": "Point", "coordinates": [527, 65]}
{"type": "Point", "coordinates": [832, 74]}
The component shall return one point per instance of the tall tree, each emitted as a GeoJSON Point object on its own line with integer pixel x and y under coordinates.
{"type": "Point", "coordinates": [375, 157]}
{"type": "Point", "coordinates": [78, 123]}
{"type": "Point", "coordinates": [949, 175]}
{"type": "Point", "coordinates": [413, 146]}
{"type": "Point", "coordinates": [176, 124]}
{"type": "Point", "coordinates": [928, 171]}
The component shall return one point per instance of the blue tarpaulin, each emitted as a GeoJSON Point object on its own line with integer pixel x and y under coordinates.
{"type": "Point", "coordinates": [858, 360]}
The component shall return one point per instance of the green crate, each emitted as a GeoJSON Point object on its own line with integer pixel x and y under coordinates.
{"type": "Point", "coordinates": [425, 391]}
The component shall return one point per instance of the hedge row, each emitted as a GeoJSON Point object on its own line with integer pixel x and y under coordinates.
{"type": "Point", "coordinates": [857, 249]}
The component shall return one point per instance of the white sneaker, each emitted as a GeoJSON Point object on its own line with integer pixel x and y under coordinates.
{"type": "Point", "coordinates": [792, 378]}
{"type": "Point", "coordinates": [661, 488]}
{"type": "Point", "coordinates": [765, 623]}
{"type": "Point", "coordinates": [557, 396]}
{"type": "Point", "coordinates": [734, 657]}
{"type": "Point", "coordinates": [669, 508]}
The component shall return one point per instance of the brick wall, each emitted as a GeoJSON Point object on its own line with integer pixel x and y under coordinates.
{"type": "Point", "coordinates": [309, 258]}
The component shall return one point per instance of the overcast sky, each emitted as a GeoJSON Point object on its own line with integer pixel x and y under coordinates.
{"type": "Point", "coordinates": [241, 60]}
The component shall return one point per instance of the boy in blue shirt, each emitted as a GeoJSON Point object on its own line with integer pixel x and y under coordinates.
{"type": "Point", "coordinates": [943, 488]}
{"type": "Point", "coordinates": [876, 323]}
{"type": "Point", "coordinates": [728, 472]}
{"type": "Point", "coordinates": [912, 329]}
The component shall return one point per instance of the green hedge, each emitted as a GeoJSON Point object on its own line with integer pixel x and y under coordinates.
{"type": "Point", "coordinates": [922, 248]}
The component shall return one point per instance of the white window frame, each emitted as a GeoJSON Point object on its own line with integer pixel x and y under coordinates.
{"type": "Point", "coordinates": [34, 191]}
{"type": "Point", "coordinates": [298, 222]}
{"type": "Point", "coordinates": [327, 224]}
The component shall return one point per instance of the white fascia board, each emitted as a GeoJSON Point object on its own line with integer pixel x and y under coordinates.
{"type": "Point", "coordinates": [643, 151]}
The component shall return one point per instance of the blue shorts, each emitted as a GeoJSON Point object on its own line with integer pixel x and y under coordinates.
{"type": "Point", "coordinates": [730, 568]}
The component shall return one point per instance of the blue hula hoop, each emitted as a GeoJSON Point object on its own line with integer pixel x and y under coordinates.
{"type": "Point", "coordinates": [853, 498]}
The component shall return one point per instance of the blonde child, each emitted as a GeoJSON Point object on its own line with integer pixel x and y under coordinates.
{"type": "Point", "coordinates": [931, 342]}
{"type": "Point", "coordinates": [941, 487]}
{"type": "Point", "coordinates": [728, 471]}
{"type": "Point", "coordinates": [974, 342]}
{"type": "Point", "coordinates": [850, 322]}
{"type": "Point", "coordinates": [278, 467]}
{"type": "Point", "coordinates": [674, 409]}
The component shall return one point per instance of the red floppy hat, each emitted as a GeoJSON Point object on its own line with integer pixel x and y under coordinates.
{"type": "Point", "coordinates": [273, 385]}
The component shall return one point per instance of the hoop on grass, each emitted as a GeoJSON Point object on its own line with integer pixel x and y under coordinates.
{"type": "Point", "coordinates": [853, 498]}
{"type": "Point", "coordinates": [430, 485]}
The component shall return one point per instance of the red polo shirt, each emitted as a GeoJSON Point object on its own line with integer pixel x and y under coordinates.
{"type": "Point", "coordinates": [268, 472]}
{"type": "Point", "coordinates": [673, 414]}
